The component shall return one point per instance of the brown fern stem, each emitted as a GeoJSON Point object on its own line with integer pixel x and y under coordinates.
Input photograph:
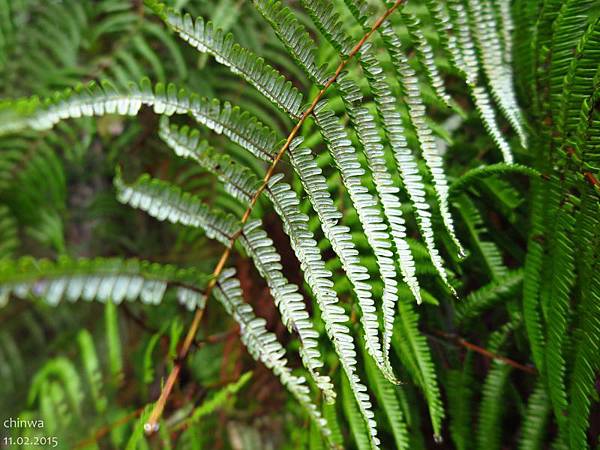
{"type": "Point", "coordinates": [152, 425]}
{"type": "Point", "coordinates": [484, 352]}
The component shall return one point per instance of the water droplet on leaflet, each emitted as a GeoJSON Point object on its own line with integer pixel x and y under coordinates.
{"type": "Point", "coordinates": [438, 439]}
{"type": "Point", "coordinates": [150, 428]}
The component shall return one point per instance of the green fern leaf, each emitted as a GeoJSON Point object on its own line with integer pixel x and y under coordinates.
{"type": "Point", "coordinates": [479, 173]}
{"type": "Point", "coordinates": [586, 349]}
{"type": "Point", "coordinates": [536, 419]}
{"type": "Point", "coordinates": [460, 404]}
{"type": "Point", "coordinates": [357, 426]}
{"type": "Point", "coordinates": [386, 396]}
{"type": "Point", "coordinates": [484, 298]}
{"type": "Point", "coordinates": [91, 365]}
{"type": "Point", "coordinates": [8, 233]}
{"type": "Point", "coordinates": [411, 345]}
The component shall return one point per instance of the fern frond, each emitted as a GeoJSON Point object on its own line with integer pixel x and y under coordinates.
{"type": "Point", "coordinates": [486, 111]}
{"type": "Point", "coordinates": [239, 126]}
{"type": "Point", "coordinates": [203, 36]}
{"type": "Point", "coordinates": [578, 81]}
{"type": "Point", "coordinates": [315, 186]}
{"type": "Point", "coordinates": [586, 349]}
{"type": "Point", "coordinates": [460, 403]}
{"type": "Point", "coordinates": [502, 288]}
{"type": "Point", "coordinates": [386, 396]}
{"type": "Point", "coordinates": [492, 406]}
{"type": "Point", "coordinates": [69, 382]}
{"type": "Point", "coordinates": [495, 67]}
{"type": "Point", "coordinates": [167, 202]}
{"type": "Point", "coordinates": [409, 83]}
{"type": "Point", "coordinates": [94, 100]}
{"type": "Point", "coordinates": [414, 351]}
{"type": "Point", "coordinates": [91, 365]}
{"type": "Point", "coordinates": [479, 173]}
{"type": "Point", "coordinates": [366, 130]}
{"type": "Point", "coordinates": [569, 28]}
{"type": "Point", "coordinates": [289, 301]}
{"type": "Point", "coordinates": [239, 181]}
{"type": "Point", "coordinates": [458, 42]}
{"type": "Point", "coordinates": [507, 28]}
{"type": "Point", "coordinates": [218, 399]}
{"type": "Point", "coordinates": [426, 57]}
{"type": "Point", "coordinates": [330, 414]}
{"type": "Point", "coordinates": [294, 36]}
{"type": "Point", "coordinates": [442, 22]}
{"type": "Point", "coordinates": [405, 160]}
{"type": "Point", "coordinates": [96, 279]}
{"type": "Point", "coordinates": [536, 419]}
{"type": "Point", "coordinates": [8, 233]}
{"type": "Point", "coordinates": [532, 314]}
{"type": "Point", "coordinates": [563, 278]}
{"type": "Point", "coordinates": [326, 18]}
{"type": "Point", "coordinates": [357, 426]}
{"type": "Point", "coordinates": [286, 204]}
{"type": "Point", "coordinates": [375, 228]}
{"type": "Point", "coordinates": [263, 345]}
{"type": "Point", "coordinates": [487, 249]}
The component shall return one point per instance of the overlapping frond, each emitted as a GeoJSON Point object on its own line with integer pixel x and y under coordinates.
{"type": "Point", "coordinates": [287, 205]}
{"type": "Point", "coordinates": [315, 186]}
{"type": "Point", "coordinates": [239, 181]}
{"type": "Point", "coordinates": [416, 108]}
{"type": "Point", "coordinates": [405, 160]}
{"type": "Point", "coordinates": [375, 229]}
{"type": "Point", "coordinates": [536, 419]}
{"type": "Point", "coordinates": [386, 396]}
{"type": "Point", "coordinates": [457, 39]}
{"type": "Point", "coordinates": [98, 279]}
{"type": "Point", "coordinates": [98, 100]}
{"type": "Point", "coordinates": [494, 64]}
{"type": "Point", "coordinates": [167, 202]}
{"type": "Point", "coordinates": [426, 56]}
{"type": "Point", "coordinates": [416, 355]}
{"type": "Point", "coordinates": [203, 36]}
{"type": "Point", "coordinates": [294, 36]}
{"type": "Point", "coordinates": [500, 289]}
{"type": "Point", "coordinates": [263, 345]}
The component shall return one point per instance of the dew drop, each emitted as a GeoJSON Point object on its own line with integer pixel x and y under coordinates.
{"type": "Point", "coordinates": [150, 428]}
{"type": "Point", "coordinates": [438, 439]}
